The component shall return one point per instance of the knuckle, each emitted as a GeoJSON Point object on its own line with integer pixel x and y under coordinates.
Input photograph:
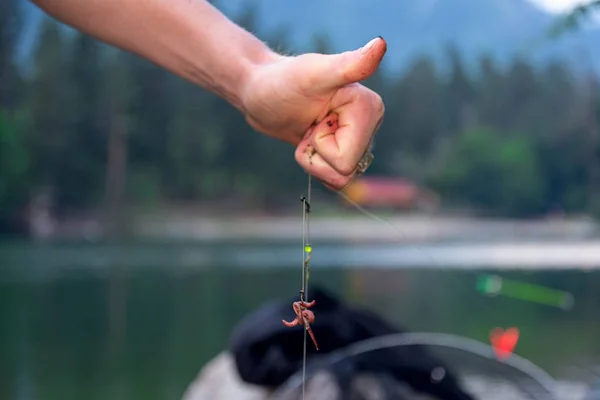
{"type": "Point", "coordinates": [297, 156]}
{"type": "Point", "coordinates": [378, 105]}
{"type": "Point", "coordinates": [343, 167]}
{"type": "Point", "coordinates": [300, 155]}
{"type": "Point", "coordinates": [339, 182]}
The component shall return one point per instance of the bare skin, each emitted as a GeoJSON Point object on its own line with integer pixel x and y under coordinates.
{"type": "Point", "coordinates": [304, 317]}
{"type": "Point", "coordinates": [285, 97]}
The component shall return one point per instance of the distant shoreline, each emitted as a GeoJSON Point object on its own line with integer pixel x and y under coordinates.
{"type": "Point", "coordinates": [186, 223]}
{"type": "Point", "coordinates": [400, 229]}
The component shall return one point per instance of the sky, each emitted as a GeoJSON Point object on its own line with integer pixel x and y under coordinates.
{"type": "Point", "coordinates": [556, 6]}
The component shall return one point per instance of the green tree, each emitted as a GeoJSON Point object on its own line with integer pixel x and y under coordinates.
{"type": "Point", "coordinates": [84, 153]}
{"type": "Point", "coordinates": [50, 95]}
{"type": "Point", "coordinates": [195, 145]}
{"type": "Point", "coordinates": [518, 97]}
{"type": "Point", "coordinates": [491, 106]}
{"type": "Point", "coordinates": [14, 174]}
{"type": "Point", "coordinates": [414, 116]}
{"type": "Point", "coordinates": [573, 18]}
{"type": "Point", "coordinates": [152, 105]}
{"type": "Point", "coordinates": [496, 172]}
{"type": "Point", "coordinates": [460, 95]}
{"type": "Point", "coordinates": [10, 27]}
{"type": "Point", "coordinates": [117, 95]}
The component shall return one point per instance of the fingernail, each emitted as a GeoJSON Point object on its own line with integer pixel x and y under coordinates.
{"type": "Point", "coordinates": [369, 45]}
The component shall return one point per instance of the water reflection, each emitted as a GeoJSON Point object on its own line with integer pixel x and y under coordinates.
{"type": "Point", "coordinates": [139, 320]}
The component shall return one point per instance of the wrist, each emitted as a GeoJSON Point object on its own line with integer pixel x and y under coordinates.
{"type": "Point", "coordinates": [253, 70]}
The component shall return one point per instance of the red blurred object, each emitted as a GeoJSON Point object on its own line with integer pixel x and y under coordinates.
{"type": "Point", "coordinates": [390, 192]}
{"type": "Point", "coordinates": [504, 341]}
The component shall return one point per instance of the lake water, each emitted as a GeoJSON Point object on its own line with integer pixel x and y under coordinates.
{"type": "Point", "coordinates": [138, 320]}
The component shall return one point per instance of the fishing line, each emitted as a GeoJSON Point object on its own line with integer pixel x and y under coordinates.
{"type": "Point", "coordinates": [396, 229]}
{"type": "Point", "coordinates": [443, 340]}
{"type": "Point", "coordinates": [523, 365]}
{"type": "Point", "coordinates": [306, 254]}
{"type": "Point", "coordinates": [473, 346]}
{"type": "Point", "coordinates": [515, 289]}
{"type": "Point", "coordinates": [526, 292]}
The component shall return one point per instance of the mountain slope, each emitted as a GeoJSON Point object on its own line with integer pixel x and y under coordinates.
{"type": "Point", "coordinates": [411, 27]}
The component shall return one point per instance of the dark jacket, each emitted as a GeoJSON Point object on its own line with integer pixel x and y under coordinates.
{"type": "Point", "coordinates": [267, 353]}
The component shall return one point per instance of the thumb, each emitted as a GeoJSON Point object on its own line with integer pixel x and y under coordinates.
{"type": "Point", "coordinates": [326, 72]}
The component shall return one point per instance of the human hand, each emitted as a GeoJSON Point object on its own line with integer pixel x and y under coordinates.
{"type": "Point", "coordinates": [314, 102]}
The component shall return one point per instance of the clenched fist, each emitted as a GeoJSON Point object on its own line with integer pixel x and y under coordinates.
{"type": "Point", "coordinates": [314, 102]}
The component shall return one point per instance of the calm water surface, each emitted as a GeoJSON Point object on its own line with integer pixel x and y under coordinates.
{"type": "Point", "coordinates": [131, 321]}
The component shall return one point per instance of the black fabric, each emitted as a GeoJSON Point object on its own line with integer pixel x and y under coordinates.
{"type": "Point", "coordinates": [267, 353]}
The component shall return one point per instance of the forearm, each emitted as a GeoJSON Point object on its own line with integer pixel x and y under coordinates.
{"type": "Point", "coordinates": [190, 38]}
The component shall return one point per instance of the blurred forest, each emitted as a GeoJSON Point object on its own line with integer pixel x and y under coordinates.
{"type": "Point", "coordinates": [89, 127]}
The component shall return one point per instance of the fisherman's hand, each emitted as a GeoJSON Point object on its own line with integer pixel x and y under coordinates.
{"type": "Point", "coordinates": [314, 102]}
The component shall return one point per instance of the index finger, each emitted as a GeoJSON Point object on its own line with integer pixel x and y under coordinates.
{"type": "Point", "coordinates": [314, 164]}
{"type": "Point", "coordinates": [360, 113]}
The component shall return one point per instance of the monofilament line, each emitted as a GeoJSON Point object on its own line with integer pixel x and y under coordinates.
{"type": "Point", "coordinates": [442, 340]}
{"type": "Point", "coordinates": [306, 252]}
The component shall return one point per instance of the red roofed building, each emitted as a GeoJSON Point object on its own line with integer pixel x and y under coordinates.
{"type": "Point", "coordinates": [390, 192]}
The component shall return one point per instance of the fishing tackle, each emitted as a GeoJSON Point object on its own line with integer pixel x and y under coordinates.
{"type": "Point", "coordinates": [304, 317]}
